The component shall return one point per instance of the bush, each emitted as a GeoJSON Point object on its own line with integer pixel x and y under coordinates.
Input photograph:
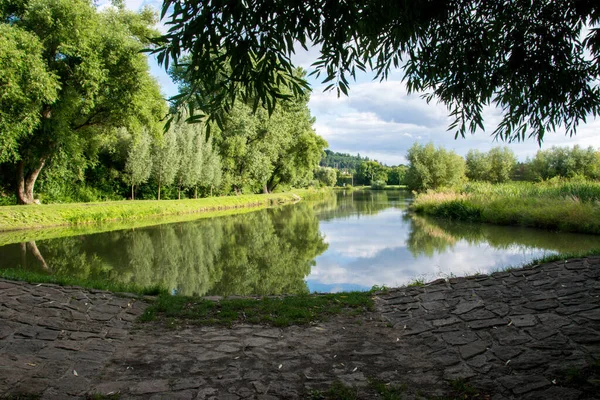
{"type": "Point", "coordinates": [377, 185]}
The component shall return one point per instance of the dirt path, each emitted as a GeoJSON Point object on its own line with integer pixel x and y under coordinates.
{"type": "Point", "coordinates": [532, 333]}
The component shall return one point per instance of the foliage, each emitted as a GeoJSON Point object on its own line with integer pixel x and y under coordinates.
{"type": "Point", "coordinates": [341, 161]}
{"type": "Point", "coordinates": [494, 166]}
{"type": "Point", "coordinates": [431, 168]}
{"type": "Point", "coordinates": [566, 162]}
{"type": "Point", "coordinates": [25, 86]}
{"type": "Point", "coordinates": [467, 54]}
{"type": "Point", "coordinates": [260, 149]}
{"type": "Point", "coordinates": [369, 171]}
{"type": "Point", "coordinates": [378, 185]}
{"type": "Point", "coordinates": [397, 175]}
{"type": "Point", "coordinates": [564, 206]}
{"type": "Point", "coordinates": [259, 152]}
{"type": "Point", "coordinates": [165, 159]}
{"type": "Point", "coordinates": [243, 254]}
{"type": "Point", "coordinates": [103, 79]}
{"type": "Point", "coordinates": [429, 235]}
{"type": "Point", "coordinates": [139, 162]}
{"type": "Point", "coordinates": [326, 176]}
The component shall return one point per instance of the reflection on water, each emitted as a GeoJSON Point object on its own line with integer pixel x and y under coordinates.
{"type": "Point", "coordinates": [351, 240]}
{"type": "Point", "coordinates": [373, 241]}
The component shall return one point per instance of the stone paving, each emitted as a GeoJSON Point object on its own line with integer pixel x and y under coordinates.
{"type": "Point", "coordinates": [532, 333]}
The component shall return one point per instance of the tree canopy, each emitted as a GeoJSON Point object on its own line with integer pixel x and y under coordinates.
{"type": "Point", "coordinates": [539, 61]}
{"type": "Point", "coordinates": [72, 75]}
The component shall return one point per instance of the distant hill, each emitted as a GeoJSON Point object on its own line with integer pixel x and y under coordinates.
{"type": "Point", "coordinates": [341, 161]}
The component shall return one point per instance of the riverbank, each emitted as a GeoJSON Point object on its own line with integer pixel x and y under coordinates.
{"type": "Point", "coordinates": [78, 214]}
{"type": "Point", "coordinates": [559, 206]}
{"type": "Point", "coordinates": [525, 333]}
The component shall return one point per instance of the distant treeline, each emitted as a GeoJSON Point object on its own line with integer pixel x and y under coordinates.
{"type": "Point", "coordinates": [430, 167]}
{"type": "Point", "coordinates": [342, 161]}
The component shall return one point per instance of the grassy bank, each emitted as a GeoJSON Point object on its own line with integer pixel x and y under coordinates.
{"type": "Point", "coordinates": [562, 206]}
{"type": "Point", "coordinates": [277, 311]}
{"type": "Point", "coordinates": [75, 214]}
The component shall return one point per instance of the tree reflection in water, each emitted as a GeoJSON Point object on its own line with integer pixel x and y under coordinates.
{"type": "Point", "coordinates": [265, 252]}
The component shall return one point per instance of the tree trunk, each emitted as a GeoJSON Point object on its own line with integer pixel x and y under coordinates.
{"type": "Point", "coordinates": [132, 193]}
{"type": "Point", "coordinates": [158, 190]}
{"type": "Point", "coordinates": [265, 189]}
{"type": "Point", "coordinates": [196, 192]}
{"type": "Point", "coordinates": [36, 253]}
{"type": "Point", "coordinates": [25, 183]}
{"type": "Point", "coordinates": [178, 192]}
{"type": "Point", "coordinates": [23, 255]}
{"type": "Point", "coordinates": [211, 186]}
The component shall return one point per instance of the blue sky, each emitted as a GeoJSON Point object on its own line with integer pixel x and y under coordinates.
{"type": "Point", "coordinates": [381, 121]}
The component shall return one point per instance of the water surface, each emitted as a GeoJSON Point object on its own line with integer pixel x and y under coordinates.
{"type": "Point", "coordinates": [349, 241]}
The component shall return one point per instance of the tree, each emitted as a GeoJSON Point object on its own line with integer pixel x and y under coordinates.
{"type": "Point", "coordinates": [103, 82]}
{"type": "Point", "coordinates": [326, 176]}
{"type": "Point", "coordinates": [431, 168]}
{"type": "Point", "coordinates": [25, 85]}
{"type": "Point", "coordinates": [259, 150]}
{"type": "Point", "coordinates": [371, 171]}
{"type": "Point", "coordinates": [165, 159]}
{"type": "Point", "coordinates": [478, 165]}
{"type": "Point", "coordinates": [190, 139]}
{"type": "Point", "coordinates": [211, 167]}
{"type": "Point", "coordinates": [494, 166]}
{"type": "Point", "coordinates": [139, 162]}
{"type": "Point", "coordinates": [566, 163]}
{"type": "Point", "coordinates": [397, 175]}
{"type": "Point", "coordinates": [466, 53]}
{"type": "Point", "coordinates": [502, 162]}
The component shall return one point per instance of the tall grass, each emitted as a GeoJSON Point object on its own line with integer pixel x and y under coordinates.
{"type": "Point", "coordinates": [555, 205]}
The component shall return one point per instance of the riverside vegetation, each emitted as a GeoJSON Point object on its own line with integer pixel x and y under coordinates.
{"type": "Point", "coordinates": [555, 205]}
{"type": "Point", "coordinates": [16, 217]}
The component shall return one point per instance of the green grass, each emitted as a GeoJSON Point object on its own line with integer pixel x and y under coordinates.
{"type": "Point", "coordinates": [337, 391]}
{"type": "Point", "coordinates": [555, 205]}
{"type": "Point", "coordinates": [95, 396]}
{"type": "Point", "coordinates": [276, 311]}
{"type": "Point", "coordinates": [76, 214]}
{"type": "Point", "coordinates": [458, 390]}
{"type": "Point", "coordinates": [18, 274]}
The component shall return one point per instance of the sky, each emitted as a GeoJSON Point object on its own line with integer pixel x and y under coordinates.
{"type": "Point", "coordinates": [381, 121]}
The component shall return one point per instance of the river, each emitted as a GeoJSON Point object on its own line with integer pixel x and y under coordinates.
{"type": "Point", "coordinates": [348, 241]}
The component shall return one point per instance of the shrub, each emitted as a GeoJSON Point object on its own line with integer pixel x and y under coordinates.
{"type": "Point", "coordinates": [377, 185]}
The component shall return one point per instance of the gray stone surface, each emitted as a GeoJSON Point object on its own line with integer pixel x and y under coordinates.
{"type": "Point", "coordinates": [510, 335]}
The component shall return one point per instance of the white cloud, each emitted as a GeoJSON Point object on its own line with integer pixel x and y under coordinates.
{"type": "Point", "coordinates": [380, 120]}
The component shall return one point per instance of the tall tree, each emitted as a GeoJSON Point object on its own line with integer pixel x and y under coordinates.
{"type": "Point", "coordinates": [139, 162]}
{"type": "Point", "coordinates": [478, 165]}
{"type": "Point", "coordinates": [211, 173]}
{"type": "Point", "coordinates": [566, 163]}
{"type": "Point", "coordinates": [165, 159]}
{"type": "Point", "coordinates": [527, 58]}
{"type": "Point", "coordinates": [261, 149]}
{"type": "Point", "coordinates": [326, 176]}
{"type": "Point", "coordinates": [25, 86]}
{"type": "Point", "coordinates": [103, 79]}
{"type": "Point", "coordinates": [189, 144]}
{"type": "Point", "coordinates": [371, 171]}
{"type": "Point", "coordinates": [431, 168]}
{"type": "Point", "coordinates": [502, 162]}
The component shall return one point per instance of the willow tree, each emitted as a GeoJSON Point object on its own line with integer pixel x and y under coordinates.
{"type": "Point", "coordinates": [102, 81]}
{"type": "Point", "coordinates": [534, 60]}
